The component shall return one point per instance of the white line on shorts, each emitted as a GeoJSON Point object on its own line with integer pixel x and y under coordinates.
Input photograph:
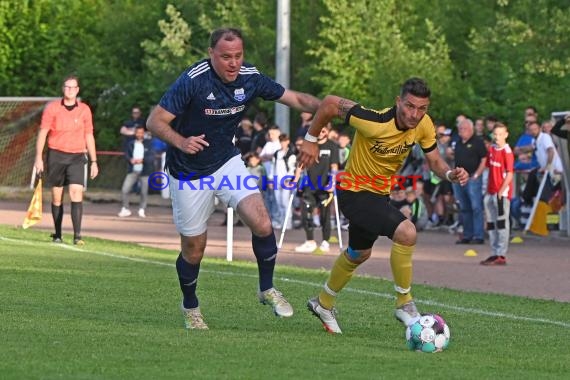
{"type": "Point", "coordinates": [308, 283]}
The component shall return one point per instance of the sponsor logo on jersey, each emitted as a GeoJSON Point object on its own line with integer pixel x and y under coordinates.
{"type": "Point", "coordinates": [211, 96]}
{"type": "Point", "coordinates": [224, 111]}
{"type": "Point", "coordinates": [386, 150]}
{"type": "Point", "coordinates": [239, 94]}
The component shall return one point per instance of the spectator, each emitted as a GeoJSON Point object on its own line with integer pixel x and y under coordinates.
{"type": "Point", "coordinates": [266, 155]}
{"type": "Point", "coordinates": [140, 159]}
{"type": "Point", "coordinates": [318, 192]}
{"type": "Point", "coordinates": [283, 165]}
{"type": "Point", "coordinates": [524, 148]}
{"type": "Point", "coordinates": [67, 126]}
{"type": "Point", "coordinates": [128, 128]}
{"type": "Point", "coordinates": [500, 161]}
{"type": "Point", "coordinates": [470, 154]}
{"type": "Point", "coordinates": [417, 210]}
{"type": "Point", "coordinates": [306, 118]}
{"type": "Point", "coordinates": [480, 128]}
{"type": "Point", "coordinates": [259, 135]}
{"type": "Point", "coordinates": [490, 122]}
{"type": "Point", "coordinates": [244, 136]}
{"type": "Point", "coordinates": [343, 149]}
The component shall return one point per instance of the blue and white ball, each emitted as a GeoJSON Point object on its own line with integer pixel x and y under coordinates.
{"type": "Point", "coordinates": [429, 334]}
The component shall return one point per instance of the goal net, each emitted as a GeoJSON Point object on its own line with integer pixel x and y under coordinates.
{"type": "Point", "coordinates": [19, 122]}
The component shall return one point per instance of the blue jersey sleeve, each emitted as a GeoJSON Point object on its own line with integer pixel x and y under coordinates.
{"type": "Point", "coordinates": [268, 89]}
{"type": "Point", "coordinates": [179, 95]}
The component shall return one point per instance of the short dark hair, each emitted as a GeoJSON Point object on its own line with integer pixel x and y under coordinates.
{"type": "Point", "coordinates": [417, 87]}
{"type": "Point", "coordinates": [228, 34]}
{"type": "Point", "coordinates": [71, 77]}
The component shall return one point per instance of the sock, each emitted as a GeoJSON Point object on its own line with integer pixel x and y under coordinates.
{"type": "Point", "coordinates": [57, 214]}
{"type": "Point", "coordinates": [76, 216]}
{"type": "Point", "coordinates": [265, 250]}
{"type": "Point", "coordinates": [188, 278]}
{"type": "Point", "coordinates": [341, 273]}
{"type": "Point", "coordinates": [401, 263]}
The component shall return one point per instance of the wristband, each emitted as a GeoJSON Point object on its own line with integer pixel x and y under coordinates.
{"type": "Point", "coordinates": [310, 138]}
{"type": "Point", "coordinates": [448, 175]}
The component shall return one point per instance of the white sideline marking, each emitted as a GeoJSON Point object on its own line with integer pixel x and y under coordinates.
{"type": "Point", "coordinates": [284, 279]}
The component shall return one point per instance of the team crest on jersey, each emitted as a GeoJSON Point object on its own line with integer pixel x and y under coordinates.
{"type": "Point", "coordinates": [239, 94]}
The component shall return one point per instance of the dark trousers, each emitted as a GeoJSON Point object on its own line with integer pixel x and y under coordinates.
{"type": "Point", "coordinates": [311, 200]}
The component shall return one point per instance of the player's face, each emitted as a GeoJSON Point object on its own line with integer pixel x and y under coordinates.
{"type": "Point", "coordinates": [410, 110]}
{"type": "Point", "coordinates": [227, 57]}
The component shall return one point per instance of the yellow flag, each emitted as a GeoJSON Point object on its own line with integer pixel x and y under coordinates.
{"type": "Point", "coordinates": [34, 214]}
{"type": "Point", "coordinates": [538, 225]}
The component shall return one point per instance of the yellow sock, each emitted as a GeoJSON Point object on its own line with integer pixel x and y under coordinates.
{"type": "Point", "coordinates": [401, 263]}
{"type": "Point", "coordinates": [341, 273]}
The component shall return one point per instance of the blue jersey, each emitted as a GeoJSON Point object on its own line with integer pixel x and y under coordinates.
{"type": "Point", "coordinates": [203, 104]}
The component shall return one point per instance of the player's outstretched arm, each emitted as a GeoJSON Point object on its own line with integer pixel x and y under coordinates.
{"type": "Point", "coordinates": [332, 106]}
{"type": "Point", "coordinates": [300, 101]}
{"type": "Point", "coordinates": [442, 170]}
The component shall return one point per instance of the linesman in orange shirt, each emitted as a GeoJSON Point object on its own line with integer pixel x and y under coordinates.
{"type": "Point", "coordinates": [67, 125]}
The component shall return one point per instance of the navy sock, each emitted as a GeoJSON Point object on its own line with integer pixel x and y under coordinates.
{"type": "Point", "coordinates": [57, 214]}
{"type": "Point", "coordinates": [265, 250]}
{"type": "Point", "coordinates": [188, 278]}
{"type": "Point", "coordinates": [76, 216]}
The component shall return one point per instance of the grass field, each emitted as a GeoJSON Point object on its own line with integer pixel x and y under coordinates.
{"type": "Point", "coordinates": [110, 311]}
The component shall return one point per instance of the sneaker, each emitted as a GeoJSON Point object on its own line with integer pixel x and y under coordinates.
{"type": "Point", "coordinates": [307, 247]}
{"type": "Point", "coordinates": [325, 247]}
{"type": "Point", "coordinates": [477, 241]}
{"type": "Point", "coordinates": [193, 318]}
{"type": "Point", "coordinates": [327, 317]}
{"type": "Point", "coordinates": [124, 212]}
{"type": "Point", "coordinates": [494, 260]}
{"type": "Point", "coordinates": [274, 298]}
{"type": "Point", "coordinates": [463, 241]}
{"type": "Point", "coordinates": [407, 313]}
{"type": "Point", "coordinates": [78, 241]}
{"type": "Point", "coordinates": [56, 239]}
{"type": "Point", "coordinates": [141, 213]}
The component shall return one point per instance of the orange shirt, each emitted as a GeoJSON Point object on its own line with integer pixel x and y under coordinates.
{"type": "Point", "coordinates": [67, 129]}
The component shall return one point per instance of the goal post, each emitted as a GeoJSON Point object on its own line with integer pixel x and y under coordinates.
{"type": "Point", "coordinates": [20, 118]}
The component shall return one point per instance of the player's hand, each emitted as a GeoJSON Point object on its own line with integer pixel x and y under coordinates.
{"type": "Point", "coordinates": [94, 170]}
{"type": "Point", "coordinates": [460, 175]}
{"type": "Point", "coordinates": [308, 154]}
{"type": "Point", "coordinates": [194, 144]}
{"type": "Point", "coordinates": [39, 165]}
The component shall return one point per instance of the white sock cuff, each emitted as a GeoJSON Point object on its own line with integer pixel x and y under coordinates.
{"type": "Point", "coordinates": [329, 291]}
{"type": "Point", "coordinates": [402, 290]}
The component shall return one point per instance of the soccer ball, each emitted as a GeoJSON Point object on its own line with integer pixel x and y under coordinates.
{"type": "Point", "coordinates": [429, 334]}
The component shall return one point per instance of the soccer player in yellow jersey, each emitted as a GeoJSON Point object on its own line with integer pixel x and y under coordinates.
{"type": "Point", "coordinates": [382, 142]}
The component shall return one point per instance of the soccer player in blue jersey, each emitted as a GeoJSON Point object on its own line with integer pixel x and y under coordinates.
{"type": "Point", "coordinates": [198, 116]}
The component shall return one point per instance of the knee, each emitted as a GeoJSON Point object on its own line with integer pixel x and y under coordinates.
{"type": "Point", "coordinates": [405, 234]}
{"type": "Point", "coordinates": [262, 227]}
{"type": "Point", "coordinates": [357, 256]}
{"type": "Point", "coordinates": [192, 250]}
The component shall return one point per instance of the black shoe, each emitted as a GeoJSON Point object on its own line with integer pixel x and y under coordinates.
{"type": "Point", "coordinates": [463, 241]}
{"type": "Point", "coordinates": [56, 239]}
{"type": "Point", "coordinates": [477, 241]}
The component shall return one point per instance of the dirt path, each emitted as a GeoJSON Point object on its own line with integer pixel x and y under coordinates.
{"type": "Point", "coordinates": [539, 268]}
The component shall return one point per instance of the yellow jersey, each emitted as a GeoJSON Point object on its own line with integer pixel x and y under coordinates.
{"type": "Point", "coordinates": [379, 148]}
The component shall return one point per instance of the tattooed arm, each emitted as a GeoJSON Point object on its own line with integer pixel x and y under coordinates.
{"type": "Point", "coordinates": [332, 106]}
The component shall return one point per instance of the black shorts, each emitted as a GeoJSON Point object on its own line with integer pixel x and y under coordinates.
{"type": "Point", "coordinates": [65, 168]}
{"type": "Point", "coordinates": [370, 215]}
{"type": "Point", "coordinates": [443, 188]}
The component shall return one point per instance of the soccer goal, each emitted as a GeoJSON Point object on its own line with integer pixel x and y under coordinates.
{"type": "Point", "coordinates": [20, 119]}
